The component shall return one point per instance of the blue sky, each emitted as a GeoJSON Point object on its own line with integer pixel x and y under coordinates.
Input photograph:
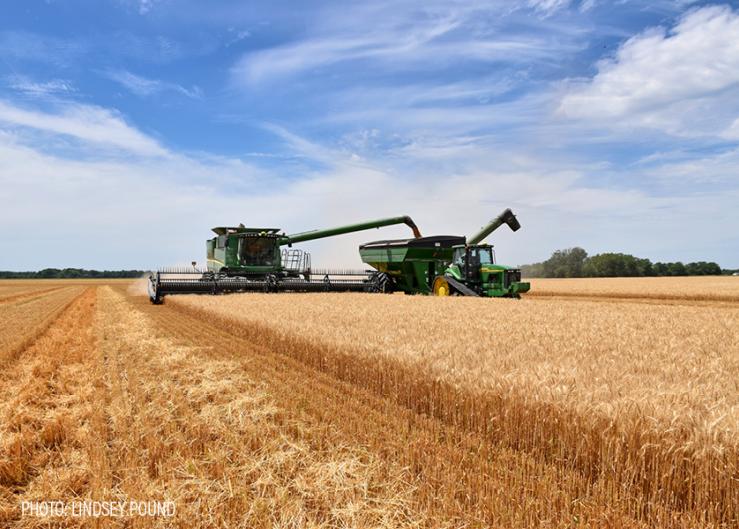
{"type": "Point", "coordinates": [129, 128]}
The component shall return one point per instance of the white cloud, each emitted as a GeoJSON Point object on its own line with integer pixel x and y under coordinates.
{"type": "Point", "coordinates": [143, 211]}
{"type": "Point", "coordinates": [549, 6]}
{"type": "Point", "coordinates": [143, 86]}
{"type": "Point", "coordinates": [684, 81]}
{"type": "Point", "coordinates": [717, 169]}
{"type": "Point", "coordinates": [27, 46]}
{"type": "Point", "coordinates": [125, 203]}
{"type": "Point", "coordinates": [146, 5]}
{"type": "Point", "coordinates": [312, 53]}
{"type": "Point", "coordinates": [87, 123]}
{"type": "Point", "coordinates": [398, 36]}
{"type": "Point", "coordinates": [236, 36]}
{"type": "Point", "coordinates": [40, 89]}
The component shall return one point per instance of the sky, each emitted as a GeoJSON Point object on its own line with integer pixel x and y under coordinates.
{"type": "Point", "coordinates": [128, 128]}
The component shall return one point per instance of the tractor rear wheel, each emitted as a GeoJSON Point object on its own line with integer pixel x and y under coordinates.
{"type": "Point", "coordinates": [441, 287]}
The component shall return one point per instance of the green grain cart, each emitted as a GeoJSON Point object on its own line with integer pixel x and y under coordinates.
{"type": "Point", "coordinates": [445, 265]}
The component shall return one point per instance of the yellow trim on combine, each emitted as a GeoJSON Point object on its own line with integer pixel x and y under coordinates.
{"type": "Point", "coordinates": [217, 261]}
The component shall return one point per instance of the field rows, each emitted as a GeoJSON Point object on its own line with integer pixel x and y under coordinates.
{"type": "Point", "coordinates": [50, 423]}
{"type": "Point", "coordinates": [28, 314]}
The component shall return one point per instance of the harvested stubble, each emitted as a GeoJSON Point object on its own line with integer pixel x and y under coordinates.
{"type": "Point", "coordinates": [25, 315]}
{"type": "Point", "coordinates": [694, 288]}
{"type": "Point", "coordinates": [645, 401]}
{"type": "Point", "coordinates": [102, 406]}
{"type": "Point", "coordinates": [51, 427]}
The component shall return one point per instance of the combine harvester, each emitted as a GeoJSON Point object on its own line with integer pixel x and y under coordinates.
{"type": "Point", "coordinates": [244, 259]}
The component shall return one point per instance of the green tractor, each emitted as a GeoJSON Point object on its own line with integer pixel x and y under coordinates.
{"type": "Point", "coordinates": [446, 265]}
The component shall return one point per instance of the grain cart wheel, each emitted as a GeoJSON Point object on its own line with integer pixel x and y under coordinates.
{"type": "Point", "coordinates": [380, 282]}
{"type": "Point", "coordinates": [441, 287]}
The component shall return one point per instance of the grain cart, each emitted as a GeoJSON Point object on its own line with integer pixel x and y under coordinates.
{"type": "Point", "coordinates": [445, 265]}
{"type": "Point", "coordinates": [241, 259]}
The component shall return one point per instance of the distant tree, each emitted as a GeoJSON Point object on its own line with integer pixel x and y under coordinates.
{"type": "Point", "coordinates": [614, 265]}
{"type": "Point", "coordinates": [676, 269]}
{"type": "Point", "coordinates": [660, 269]}
{"type": "Point", "coordinates": [574, 262]}
{"type": "Point", "coordinates": [71, 273]}
{"type": "Point", "coordinates": [565, 263]}
{"type": "Point", "coordinates": [533, 270]}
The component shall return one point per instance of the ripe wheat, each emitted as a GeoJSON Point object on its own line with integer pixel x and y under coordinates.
{"type": "Point", "coordinates": [646, 399]}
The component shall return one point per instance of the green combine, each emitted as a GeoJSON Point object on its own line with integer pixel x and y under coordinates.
{"type": "Point", "coordinates": [446, 265]}
{"type": "Point", "coordinates": [241, 259]}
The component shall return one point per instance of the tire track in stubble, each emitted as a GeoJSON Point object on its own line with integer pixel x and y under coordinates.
{"type": "Point", "coordinates": [20, 329]}
{"type": "Point", "coordinates": [33, 293]}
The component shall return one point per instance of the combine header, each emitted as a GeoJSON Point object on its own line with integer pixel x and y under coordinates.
{"type": "Point", "coordinates": [242, 259]}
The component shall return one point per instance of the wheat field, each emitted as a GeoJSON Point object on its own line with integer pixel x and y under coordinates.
{"type": "Point", "coordinates": [686, 289]}
{"type": "Point", "coordinates": [609, 403]}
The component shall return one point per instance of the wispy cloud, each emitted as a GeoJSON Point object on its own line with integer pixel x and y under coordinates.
{"type": "Point", "coordinates": [146, 5]}
{"type": "Point", "coordinates": [441, 36]}
{"type": "Point", "coordinates": [32, 88]}
{"type": "Point", "coordinates": [142, 86]}
{"type": "Point", "coordinates": [88, 123]}
{"type": "Point", "coordinates": [27, 46]}
{"type": "Point", "coordinates": [549, 6]}
{"type": "Point", "coordinates": [237, 35]}
{"type": "Point", "coordinates": [305, 55]}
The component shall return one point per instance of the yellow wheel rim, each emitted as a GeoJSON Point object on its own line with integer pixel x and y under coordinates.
{"type": "Point", "coordinates": [441, 287]}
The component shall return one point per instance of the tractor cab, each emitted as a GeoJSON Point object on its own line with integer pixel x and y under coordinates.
{"type": "Point", "coordinates": [474, 265]}
{"type": "Point", "coordinates": [469, 260]}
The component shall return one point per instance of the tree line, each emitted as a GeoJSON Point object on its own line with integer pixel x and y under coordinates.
{"type": "Point", "coordinates": [71, 273]}
{"type": "Point", "coordinates": [575, 262]}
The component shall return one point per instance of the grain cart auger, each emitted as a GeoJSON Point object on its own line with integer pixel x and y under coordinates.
{"type": "Point", "coordinates": [241, 259]}
{"type": "Point", "coordinates": [446, 265]}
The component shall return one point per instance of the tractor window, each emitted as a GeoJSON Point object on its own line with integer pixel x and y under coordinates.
{"type": "Point", "coordinates": [458, 257]}
{"type": "Point", "coordinates": [486, 256]}
{"type": "Point", "coordinates": [257, 251]}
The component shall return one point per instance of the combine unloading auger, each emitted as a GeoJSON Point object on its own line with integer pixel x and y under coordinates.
{"type": "Point", "coordinates": [242, 259]}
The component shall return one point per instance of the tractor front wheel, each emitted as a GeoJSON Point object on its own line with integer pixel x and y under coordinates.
{"type": "Point", "coordinates": [441, 287]}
